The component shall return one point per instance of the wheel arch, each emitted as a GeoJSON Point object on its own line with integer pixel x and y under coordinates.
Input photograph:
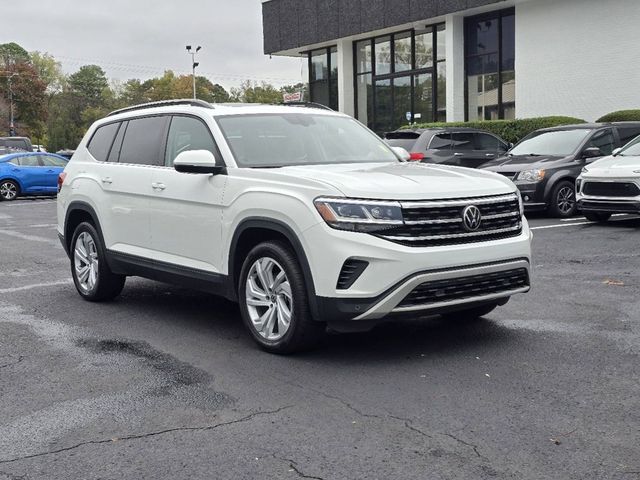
{"type": "Point", "coordinates": [252, 231]}
{"type": "Point", "coordinates": [78, 212]}
{"type": "Point", "coordinates": [561, 176]}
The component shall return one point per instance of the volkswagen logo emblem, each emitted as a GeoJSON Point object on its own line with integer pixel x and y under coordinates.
{"type": "Point", "coordinates": [471, 218]}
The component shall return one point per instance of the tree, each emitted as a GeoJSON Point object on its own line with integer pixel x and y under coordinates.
{"type": "Point", "coordinates": [162, 88]}
{"type": "Point", "coordinates": [252, 92]}
{"type": "Point", "coordinates": [205, 90]}
{"type": "Point", "coordinates": [12, 53]}
{"type": "Point", "coordinates": [88, 83]}
{"type": "Point", "coordinates": [22, 89]}
{"type": "Point", "coordinates": [49, 70]}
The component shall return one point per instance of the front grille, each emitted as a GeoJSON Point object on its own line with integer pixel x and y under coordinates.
{"type": "Point", "coordinates": [466, 287]}
{"type": "Point", "coordinates": [611, 189]}
{"type": "Point", "coordinates": [435, 223]}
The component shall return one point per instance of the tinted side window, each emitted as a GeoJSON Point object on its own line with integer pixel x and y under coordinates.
{"type": "Point", "coordinates": [117, 143]}
{"type": "Point", "coordinates": [603, 140]}
{"type": "Point", "coordinates": [627, 134]}
{"type": "Point", "coordinates": [144, 140]}
{"type": "Point", "coordinates": [442, 141]}
{"type": "Point", "coordinates": [487, 142]}
{"type": "Point", "coordinates": [50, 161]}
{"type": "Point", "coordinates": [187, 133]}
{"type": "Point", "coordinates": [29, 161]}
{"type": "Point", "coordinates": [462, 141]}
{"type": "Point", "coordinates": [100, 143]}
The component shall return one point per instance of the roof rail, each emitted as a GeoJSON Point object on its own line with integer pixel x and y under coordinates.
{"type": "Point", "coordinates": [163, 103]}
{"type": "Point", "coordinates": [307, 104]}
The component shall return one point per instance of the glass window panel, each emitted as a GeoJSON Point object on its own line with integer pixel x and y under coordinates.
{"type": "Point", "coordinates": [482, 36]}
{"type": "Point", "coordinates": [441, 113]}
{"type": "Point", "coordinates": [462, 141]}
{"type": "Point", "coordinates": [485, 141]}
{"type": "Point", "coordinates": [320, 92]}
{"type": "Point", "coordinates": [319, 65]}
{"type": "Point", "coordinates": [29, 161]}
{"type": "Point", "coordinates": [509, 95]}
{"type": "Point", "coordinates": [101, 141]}
{"type": "Point", "coordinates": [363, 56]}
{"type": "Point", "coordinates": [483, 97]}
{"type": "Point", "coordinates": [333, 52]}
{"type": "Point", "coordinates": [185, 134]}
{"type": "Point", "coordinates": [424, 49]}
{"type": "Point", "coordinates": [627, 134]}
{"type": "Point", "coordinates": [333, 94]}
{"type": "Point", "coordinates": [144, 141]}
{"type": "Point", "coordinates": [51, 161]}
{"type": "Point", "coordinates": [402, 101]}
{"type": "Point", "coordinates": [423, 98]}
{"type": "Point", "coordinates": [364, 87]}
{"type": "Point", "coordinates": [441, 43]}
{"type": "Point", "coordinates": [383, 107]}
{"type": "Point", "coordinates": [603, 140]}
{"type": "Point", "coordinates": [442, 141]}
{"type": "Point", "coordinates": [508, 42]}
{"type": "Point", "coordinates": [383, 55]}
{"type": "Point", "coordinates": [402, 51]}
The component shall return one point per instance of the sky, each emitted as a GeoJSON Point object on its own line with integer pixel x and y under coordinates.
{"type": "Point", "coordinates": [143, 38]}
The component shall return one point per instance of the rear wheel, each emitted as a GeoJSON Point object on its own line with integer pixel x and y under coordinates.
{"type": "Point", "coordinates": [563, 200]}
{"type": "Point", "coordinates": [471, 313]}
{"type": "Point", "coordinates": [597, 216]}
{"type": "Point", "coordinates": [273, 300]}
{"type": "Point", "coordinates": [91, 274]}
{"type": "Point", "coordinates": [9, 190]}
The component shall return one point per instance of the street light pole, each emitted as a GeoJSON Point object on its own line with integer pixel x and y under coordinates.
{"type": "Point", "coordinates": [194, 64]}
{"type": "Point", "coordinates": [12, 128]}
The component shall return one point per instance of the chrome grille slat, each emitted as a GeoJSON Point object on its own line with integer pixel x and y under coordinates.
{"type": "Point", "coordinates": [440, 222]}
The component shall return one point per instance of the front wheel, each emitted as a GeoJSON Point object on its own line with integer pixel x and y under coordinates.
{"type": "Point", "coordinates": [274, 302]}
{"type": "Point", "coordinates": [91, 273]}
{"type": "Point", "coordinates": [599, 217]}
{"type": "Point", "coordinates": [9, 190]}
{"type": "Point", "coordinates": [562, 203]}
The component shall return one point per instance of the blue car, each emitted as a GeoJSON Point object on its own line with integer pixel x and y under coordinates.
{"type": "Point", "coordinates": [27, 173]}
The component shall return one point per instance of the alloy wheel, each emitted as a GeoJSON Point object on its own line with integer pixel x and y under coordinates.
{"type": "Point", "coordinates": [8, 191]}
{"type": "Point", "coordinates": [566, 200]}
{"type": "Point", "coordinates": [268, 299]}
{"type": "Point", "coordinates": [85, 262]}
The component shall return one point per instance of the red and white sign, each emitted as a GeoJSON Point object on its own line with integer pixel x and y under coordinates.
{"type": "Point", "coordinates": [292, 97]}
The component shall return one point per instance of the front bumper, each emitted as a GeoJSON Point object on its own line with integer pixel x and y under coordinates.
{"type": "Point", "coordinates": [608, 205]}
{"type": "Point", "coordinates": [532, 196]}
{"type": "Point", "coordinates": [394, 271]}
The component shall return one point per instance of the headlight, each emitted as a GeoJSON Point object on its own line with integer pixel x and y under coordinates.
{"type": "Point", "coordinates": [359, 215]}
{"type": "Point", "coordinates": [531, 176]}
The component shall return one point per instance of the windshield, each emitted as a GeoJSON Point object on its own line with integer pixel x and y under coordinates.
{"type": "Point", "coordinates": [631, 149]}
{"type": "Point", "coordinates": [558, 143]}
{"type": "Point", "coordinates": [283, 139]}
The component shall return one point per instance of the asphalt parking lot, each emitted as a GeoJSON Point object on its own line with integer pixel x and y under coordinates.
{"type": "Point", "coordinates": [164, 383]}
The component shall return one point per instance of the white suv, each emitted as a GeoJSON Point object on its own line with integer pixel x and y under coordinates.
{"type": "Point", "coordinates": [302, 215]}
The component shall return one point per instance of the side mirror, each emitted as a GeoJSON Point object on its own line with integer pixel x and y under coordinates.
{"type": "Point", "coordinates": [197, 161]}
{"type": "Point", "coordinates": [616, 151]}
{"type": "Point", "coordinates": [592, 152]}
{"type": "Point", "coordinates": [402, 153]}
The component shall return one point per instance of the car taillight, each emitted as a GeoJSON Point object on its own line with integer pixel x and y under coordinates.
{"type": "Point", "coordinates": [61, 178]}
{"type": "Point", "coordinates": [416, 156]}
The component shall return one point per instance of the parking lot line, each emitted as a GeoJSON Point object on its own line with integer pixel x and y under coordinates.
{"type": "Point", "coordinates": [27, 202]}
{"type": "Point", "coordinates": [36, 285]}
{"type": "Point", "coordinates": [560, 225]}
{"type": "Point", "coordinates": [32, 238]}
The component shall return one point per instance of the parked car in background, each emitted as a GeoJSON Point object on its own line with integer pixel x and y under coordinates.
{"type": "Point", "coordinates": [611, 185]}
{"type": "Point", "coordinates": [39, 148]}
{"type": "Point", "coordinates": [17, 143]}
{"type": "Point", "coordinates": [29, 174]}
{"type": "Point", "coordinates": [546, 163]}
{"type": "Point", "coordinates": [66, 153]}
{"type": "Point", "coordinates": [463, 147]}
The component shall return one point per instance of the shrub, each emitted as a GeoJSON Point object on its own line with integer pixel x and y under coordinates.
{"type": "Point", "coordinates": [510, 130]}
{"type": "Point", "coordinates": [621, 116]}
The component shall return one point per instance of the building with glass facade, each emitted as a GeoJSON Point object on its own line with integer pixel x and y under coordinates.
{"type": "Point", "coordinates": [392, 62]}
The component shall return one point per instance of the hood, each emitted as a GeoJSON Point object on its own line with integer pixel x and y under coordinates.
{"type": "Point", "coordinates": [618, 166]}
{"type": "Point", "coordinates": [517, 163]}
{"type": "Point", "coordinates": [404, 181]}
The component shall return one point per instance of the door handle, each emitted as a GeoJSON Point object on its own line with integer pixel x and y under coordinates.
{"type": "Point", "coordinates": [50, 171]}
{"type": "Point", "coordinates": [158, 186]}
{"type": "Point", "coordinates": [107, 180]}
{"type": "Point", "coordinates": [490, 155]}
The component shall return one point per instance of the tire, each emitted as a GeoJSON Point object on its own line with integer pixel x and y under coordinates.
{"type": "Point", "coordinates": [599, 217]}
{"type": "Point", "coordinates": [471, 313]}
{"type": "Point", "coordinates": [562, 203]}
{"type": "Point", "coordinates": [9, 190]}
{"type": "Point", "coordinates": [266, 309]}
{"type": "Point", "coordinates": [87, 251]}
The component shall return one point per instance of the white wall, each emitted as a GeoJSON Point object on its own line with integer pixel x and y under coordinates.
{"type": "Point", "coordinates": [454, 34]}
{"type": "Point", "coordinates": [577, 57]}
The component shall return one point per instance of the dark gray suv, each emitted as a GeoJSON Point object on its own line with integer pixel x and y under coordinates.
{"type": "Point", "coordinates": [464, 147]}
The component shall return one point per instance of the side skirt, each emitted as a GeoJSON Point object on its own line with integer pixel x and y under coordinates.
{"type": "Point", "coordinates": [132, 265]}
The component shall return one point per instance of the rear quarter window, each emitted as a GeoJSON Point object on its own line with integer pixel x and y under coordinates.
{"type": "Point", "coordinates": [101, 142]}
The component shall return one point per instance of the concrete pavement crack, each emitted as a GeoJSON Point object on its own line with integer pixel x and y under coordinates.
{"type": "Point", "coordinates": [474, 447]}
{"type": "Point", "coordinates": [293, 465]}
{"type": "Point", "coordinates": [149, 434]}
{"type": "Point", "coordinates": [20, 358]}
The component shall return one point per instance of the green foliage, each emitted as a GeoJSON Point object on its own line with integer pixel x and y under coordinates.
{"type": "Point", "coordinates": [49, 70]}
{"type": "Point", "coordinates": [12, 53]}
{"type": "Point", "coordinates": [88, 83]}
{"type": "Point", "coordinates": [253, 92]}
{"type": "Point", "coordinates": [621, 116]}
{"type": "Point", "coordinates": [510, 130]}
